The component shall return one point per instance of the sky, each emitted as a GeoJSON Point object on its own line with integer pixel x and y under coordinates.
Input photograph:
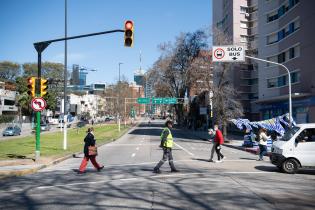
{"type": "Point", "coordinates": [24, 22]}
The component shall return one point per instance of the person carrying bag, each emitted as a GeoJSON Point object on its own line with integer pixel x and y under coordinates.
{"type": "Point", "coordinates": [90, 152]}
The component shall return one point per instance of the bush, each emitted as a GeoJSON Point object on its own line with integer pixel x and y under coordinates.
{"type": "Point", "coordinates": [6, 118]}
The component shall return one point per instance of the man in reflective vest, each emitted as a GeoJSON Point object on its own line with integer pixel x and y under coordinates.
{"type": "Point", "coordinates": [166, 144]}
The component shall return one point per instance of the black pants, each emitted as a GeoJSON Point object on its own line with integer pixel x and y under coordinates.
{"type": "Point", "coordinates": [167, 154]}
{"type": "Point", "coordinates": [218, 151]}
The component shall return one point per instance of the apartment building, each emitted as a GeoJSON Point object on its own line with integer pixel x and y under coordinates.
{"type": "Point", "coordinates": [237, 20]}
{"type": "Point", "coordinates": [286, 35]}
{"type": "Point", "coordinates": [7, 100]}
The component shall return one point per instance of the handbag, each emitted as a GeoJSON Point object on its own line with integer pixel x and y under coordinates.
{"type": "Point", "coordinates": [92, 150]}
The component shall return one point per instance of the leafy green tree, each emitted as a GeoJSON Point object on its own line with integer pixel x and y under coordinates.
{"type": "Point", "coordinates": [54, 73]}
{"type": "Point", "coordinates": [9, 70]}
{"type": "Point", "coordinates": [173, 67]}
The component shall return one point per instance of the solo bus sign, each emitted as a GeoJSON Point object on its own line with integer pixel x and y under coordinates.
{"type": "Point", "coordinates": [228, 53]}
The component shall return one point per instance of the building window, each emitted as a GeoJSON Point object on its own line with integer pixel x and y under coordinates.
{"type": "Point", "coordinates": [274, 15]}
{"type": "Point", "coordinates": [272, 39]}
{"type": "Point", "coordinates": [282, 81]}
{"type": "Point", "coordinates": [243, 24]}
{"type": "Point", "coordinates": [272, 82]}
{"type": "Point", "coordinates": [244, 9]}
{"type": "Point", "coordinates": [286, 31]}
{"type": "Point", "coordinates": [281, 57]}
{"type": "Point", "coordinates": [291, 53]}
{"type": "Point", "coordinates": [285, 56]}
{"type": "Point", "coordinates": [295, 77]}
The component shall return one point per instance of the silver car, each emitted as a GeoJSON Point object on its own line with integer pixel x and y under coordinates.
{"type": "Point", "coordinates": [12, 131]}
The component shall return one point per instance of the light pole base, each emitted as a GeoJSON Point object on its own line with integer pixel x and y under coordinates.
{"type": "Point", "coordinates": [37, 155]}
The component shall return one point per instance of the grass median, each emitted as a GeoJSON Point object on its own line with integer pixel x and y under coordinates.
{"type": "Point", "coordinates": [51, 144]}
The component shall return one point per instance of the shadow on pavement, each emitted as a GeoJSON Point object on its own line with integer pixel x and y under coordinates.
{"type": "Point", "coordinates": [200, 159]}
{"type": "Point", "coordinates": [267, 168]}
{"type": "Point", "coordinates": [248, 158]}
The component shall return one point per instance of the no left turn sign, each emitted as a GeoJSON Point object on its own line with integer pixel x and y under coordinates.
{"type": "Point", "coordinates": [38, 104]}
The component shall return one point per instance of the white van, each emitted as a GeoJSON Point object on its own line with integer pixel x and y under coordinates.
{"type": "Point", "coordinates": [295, 149]}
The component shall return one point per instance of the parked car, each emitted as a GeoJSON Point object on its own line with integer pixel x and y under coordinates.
{"type": "Point", "coordinates": [81, 124]}
{"type": "Point", "coordinates": [45, 127]}
{"type": "Point", "coordinates": [296, 149]}
{"type": "Point", "coordinates": [12, 131]}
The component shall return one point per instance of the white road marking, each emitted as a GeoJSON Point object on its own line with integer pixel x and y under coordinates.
{"type": "Point", "coordinates": [117, 165]}
{"type": "Point", "coordinates": [191, 154]}
{"type": "Point", "coordinates": [133, 155]}
{"type": "Point", "coordinates": [118, 145]}
{"type": "Point", "coordinates": [248, 172]}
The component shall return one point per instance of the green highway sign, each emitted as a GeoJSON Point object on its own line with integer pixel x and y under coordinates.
{"type": "Point", "coordinates": [169, 100]}
{"type": "Point", "coordinates": [143, 100]}
{"type": "Point", "coordinates": [157, 100]}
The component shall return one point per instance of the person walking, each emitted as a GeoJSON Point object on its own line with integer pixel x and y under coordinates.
{"type": "Point", "coordinates": [166, 144]}
{"type": "Point", "coordinates": [212, 135]}
{"type": "Point", "coordinates": [262, 143]}
{"type": "Point", "coordinates": [89, 141]}
{"type": "Point", "coordinates": [218, 141]}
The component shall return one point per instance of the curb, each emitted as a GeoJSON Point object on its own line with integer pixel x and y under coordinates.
{"type": "Point", "coordinates": [8, 173]}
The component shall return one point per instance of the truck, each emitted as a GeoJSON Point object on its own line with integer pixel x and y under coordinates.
{"type": "Point", "coordinates": [296, 149]}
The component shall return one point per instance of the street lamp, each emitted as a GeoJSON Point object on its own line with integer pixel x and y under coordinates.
{"type": "Point", "coordinates": [119, 71]}
{"type": "Point", "coordinates": [118, 115]}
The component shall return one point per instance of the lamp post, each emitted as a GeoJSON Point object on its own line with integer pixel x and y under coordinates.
{"type": "Point", "coordinates": [289, 77]}
{"type": "Point", "coordinates": [119, 95]}
{"type": "Point", "coordinates": [65, 86]}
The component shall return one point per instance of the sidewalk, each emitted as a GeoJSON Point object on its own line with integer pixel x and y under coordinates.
{"type": "Point", "coordinates": [232, 141]}
{"type": "Point", "coordinates": [19, 167]}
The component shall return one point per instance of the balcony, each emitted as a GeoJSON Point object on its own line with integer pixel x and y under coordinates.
{"type": "Point", "coordinates": [9, 108]}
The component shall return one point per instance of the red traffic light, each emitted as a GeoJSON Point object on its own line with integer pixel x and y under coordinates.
{"type": "Point", "coordinates": [128, 25]}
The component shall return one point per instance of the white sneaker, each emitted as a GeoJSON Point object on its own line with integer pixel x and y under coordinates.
{"type": "Point", "coordinates": [218, 161]}
{"type": "Point", "coordinates": [223, 158]}
{"type": "Point", "coordinates": [210, 160]}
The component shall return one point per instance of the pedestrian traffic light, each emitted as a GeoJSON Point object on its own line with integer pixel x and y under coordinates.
{"type": "Point", "coordinates": [31, 83]}
{"type": "Point", "coordinates": [43, 87]}
{"type": "Point", "coordinates": [128, 33]}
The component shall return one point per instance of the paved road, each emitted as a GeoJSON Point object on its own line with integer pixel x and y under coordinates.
{"type": "Point", "coordinates": [127, 181]}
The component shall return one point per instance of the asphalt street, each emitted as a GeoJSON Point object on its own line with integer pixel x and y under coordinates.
{"type": "Point", "coordinates": [127, 181]}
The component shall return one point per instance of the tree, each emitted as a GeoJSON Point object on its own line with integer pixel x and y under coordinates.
{"type": "Point", "coordinates": [225, 103]}
{"type": "Point", "coordinates": [52, 71]}
{"type": "Point", "coordinates": [173, 67]}
{"type": "Point", "coordinates": [9, 70]}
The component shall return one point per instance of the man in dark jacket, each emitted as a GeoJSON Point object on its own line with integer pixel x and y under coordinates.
{"type": "Point", "coordinates": [166, 144]}
{"type": "Point", "coordinates": [89, 141]}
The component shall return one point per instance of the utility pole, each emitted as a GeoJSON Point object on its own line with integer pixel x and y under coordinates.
{"type": "Point", "coordinates": [65, 85]}
{"type": "Point", "coordinates": [119, 96]}
{"type": "Point", "coordinates": [289, 77]}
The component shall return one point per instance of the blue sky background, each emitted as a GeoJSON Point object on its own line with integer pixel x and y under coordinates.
{"type": "Point", "coordinates": [24, 22]}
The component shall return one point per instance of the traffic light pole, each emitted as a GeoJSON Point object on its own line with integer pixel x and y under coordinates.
{"type": "Point", "coordinates": [40, 47]}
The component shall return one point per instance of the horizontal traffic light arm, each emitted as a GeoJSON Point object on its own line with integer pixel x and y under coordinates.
{"type": "Point", "coordinates": [41, 46]}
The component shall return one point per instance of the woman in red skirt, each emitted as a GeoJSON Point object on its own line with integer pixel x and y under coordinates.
{"type": "Point", "coordinates": [89, 141]}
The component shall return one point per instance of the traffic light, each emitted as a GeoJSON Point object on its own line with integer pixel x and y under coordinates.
{"type": "Point", "coordinates": [43, 87]}
{"type": "Point", "coordinates": [128, 33]}
{"type": "Point", "coordinates": [31, 83]}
